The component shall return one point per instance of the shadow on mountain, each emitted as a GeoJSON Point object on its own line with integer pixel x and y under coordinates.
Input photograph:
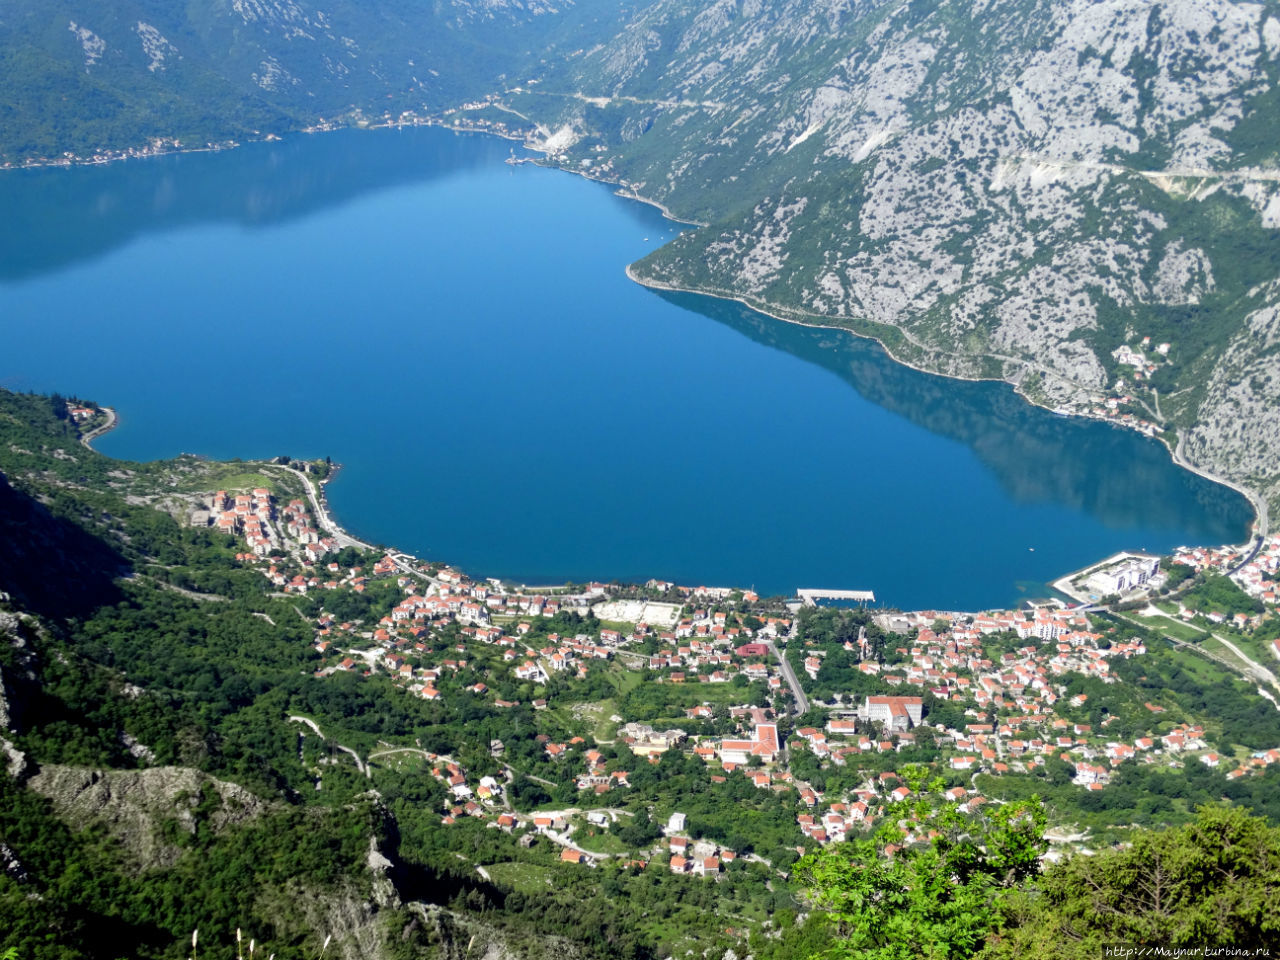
{"type": "Point", "coordinates": [56, 217]}
{"type": "Point", "coordinates": [48, 564]}
{"type": "Point", "coordinates": [1115, 474]}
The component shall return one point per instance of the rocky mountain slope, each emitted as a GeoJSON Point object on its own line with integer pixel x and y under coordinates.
{"type": "Point", "coordinates": [83, 77]}
{"type": "Point", "coordinates": [994, 189]}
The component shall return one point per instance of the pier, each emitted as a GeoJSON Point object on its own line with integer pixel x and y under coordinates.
{"type": "Point", "coordinates": [810, 597]}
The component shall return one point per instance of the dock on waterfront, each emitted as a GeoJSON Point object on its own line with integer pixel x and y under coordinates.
{"type": "Point", "coordinates": [810, 596]}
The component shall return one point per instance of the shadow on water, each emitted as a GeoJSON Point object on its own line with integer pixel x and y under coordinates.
{"type": "Point", "coordinates": [1114, 474]}
{"type": "Point", "coordinates": [53, 219]}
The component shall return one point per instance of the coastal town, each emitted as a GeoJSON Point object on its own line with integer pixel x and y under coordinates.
{"type": "Point", "coordinates": [823, 709]}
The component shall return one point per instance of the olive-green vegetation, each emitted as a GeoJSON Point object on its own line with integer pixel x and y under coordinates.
{"type": "Point", "coordinates": [1208, 884]}
{"type": "Point", "coordinates": [148, 633]}
{"type": "Point", "coordinates": [826, 631]}
{"type": "Point", "coordinates": [936, 898]}
{"type": "Point", "coordinates": [1215, 593]}
{"type": "Point", "coordinates": [977, 889]}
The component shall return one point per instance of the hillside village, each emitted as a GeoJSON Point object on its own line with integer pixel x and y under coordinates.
{"type": "Point", "coordinates": [976, 696]}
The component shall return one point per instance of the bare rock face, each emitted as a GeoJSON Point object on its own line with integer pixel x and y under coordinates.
{"type": "Point", "coordinates": [14, 633]}
{"type": "Point", "coordinates": [15, 761]}
{"type": "Point", "coordinates": [1238, 429]}
{"type": "Point", "coordinates": [132, 804]}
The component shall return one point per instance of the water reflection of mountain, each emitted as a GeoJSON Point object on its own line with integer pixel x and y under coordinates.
{"type": "Point", "coordinates": [56, 217]}
{"type": "Point", "coordinates": [1116, 475]}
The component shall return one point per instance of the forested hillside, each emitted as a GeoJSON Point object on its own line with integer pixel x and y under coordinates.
{"type": "Point", "coordinates": [184, 749]}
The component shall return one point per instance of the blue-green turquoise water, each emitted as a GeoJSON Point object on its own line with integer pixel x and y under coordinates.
{"type": "Point", "coordinates": [460, 334]}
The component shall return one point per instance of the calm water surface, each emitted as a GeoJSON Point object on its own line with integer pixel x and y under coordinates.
{"type": "Point", "coordinates": [460, 334]}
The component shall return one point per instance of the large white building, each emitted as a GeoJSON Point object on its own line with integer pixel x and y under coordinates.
{"type": "Point", "coordinates": [1123, 577]}
{"type": "Point", "coordinates": [895, 713]}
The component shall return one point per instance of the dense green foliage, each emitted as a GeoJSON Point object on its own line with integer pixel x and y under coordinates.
{"type": "Point", "coordinates": [1210, 884]}
{"type": "Point", "coordinates": [976, 890]}
{"type": "Point", "coordinates": [931, 899]}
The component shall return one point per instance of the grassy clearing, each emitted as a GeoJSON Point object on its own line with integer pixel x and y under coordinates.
{"type": "Point", "coordinates": [1213, 645]}
{"type": "Point", "coordinates": [624, 627]}
{"type": "Point", "coordinates": [1259, 651]}
{"type": "Point", "coordinates": [598, 840]}
{"type": "Point", "coordinates": [1203, 670]}
{"type": "Point", "coordinates": [232, 477]}
{"type": "Point", "coordinates": [1172, 627]}
{"type": "Point", "coordinates": [525, 877]}
{"type": "Point", "coordinates": [623, 679]}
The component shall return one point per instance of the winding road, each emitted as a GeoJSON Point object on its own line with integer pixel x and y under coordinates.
{"type": "Point", "coordinates": [315, 728]}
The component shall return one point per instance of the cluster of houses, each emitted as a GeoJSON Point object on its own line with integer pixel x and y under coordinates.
{"type": "Point", "coordinates": [1258, 577]}
{"type": "Point", "coordinates": [266, 530]}
{"type": "Point", "coordinates": [1143, 366]}
{"type": "Point", "coordinates": [1113, 407]}
{"type": "Point", "coordinates": [1009, 688]}
{"type": "Point", "coordinates": [700, 858]}
{"type": "Point", "coordinates": [155, 147]}
{"type": "Point", "coordinates": [462, 797]}
{"type": "Point", "coordinates": [954, 665]}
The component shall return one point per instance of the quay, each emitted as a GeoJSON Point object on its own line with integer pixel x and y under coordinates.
{"type": "Point", "coordinates": [810, 597]}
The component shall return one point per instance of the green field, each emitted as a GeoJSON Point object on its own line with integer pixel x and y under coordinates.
{"type": "Point", "coordinates": [525, 877]}
{"type": "Point", "coordinates": [239, 478]}
{"type": "Point", "coordinates": [1168, 625]}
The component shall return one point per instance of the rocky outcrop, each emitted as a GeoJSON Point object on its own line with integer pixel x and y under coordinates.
{"type": "Point", "coordinates": [132, 804]}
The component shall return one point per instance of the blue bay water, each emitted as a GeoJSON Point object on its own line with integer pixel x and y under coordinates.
{"type": "Point", "coordinates": [459, 333]}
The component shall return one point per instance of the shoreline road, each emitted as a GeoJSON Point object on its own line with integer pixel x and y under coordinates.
{"type": "Point", "coordinates": [344, 539]}
{"type": "Point", "coordinates": [110, 424]}
{"type": "Point", "coordinates": [327, 523]}
{"type": "Point", "coordinates": [802, 701]}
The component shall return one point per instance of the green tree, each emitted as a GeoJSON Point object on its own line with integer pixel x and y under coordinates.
{"type": "Point", "coordinates": [889, 901]}
{"type": "Point", "coordinates": [1211, 883]}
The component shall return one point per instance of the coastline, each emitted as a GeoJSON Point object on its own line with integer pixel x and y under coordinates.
{"type": "Point", "coordinates": [113, 421]}
{"type": "Point", "coordinates": [1256, 502]}
{"type": "Point", "coordinates": [1260, 508]}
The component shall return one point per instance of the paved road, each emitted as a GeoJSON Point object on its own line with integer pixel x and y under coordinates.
{"type": "Point", "coordinates": [802, 701]}
{"type": "Point", "coordinates": [327, 523]}
{"type": "Point", "coordinates": [394, 750]}
{"type": "Point", "coordinates": [1259, 671]}
{"type": "Point", "coordinates": [108, 425]}
{"type": "Point", "coordinates": [344, 539]}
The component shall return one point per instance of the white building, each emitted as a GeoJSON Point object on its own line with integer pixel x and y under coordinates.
{"type": "Point", "coordinates": [1125, 576]}
{"type": "Point", "coordinates": [895, 713]}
